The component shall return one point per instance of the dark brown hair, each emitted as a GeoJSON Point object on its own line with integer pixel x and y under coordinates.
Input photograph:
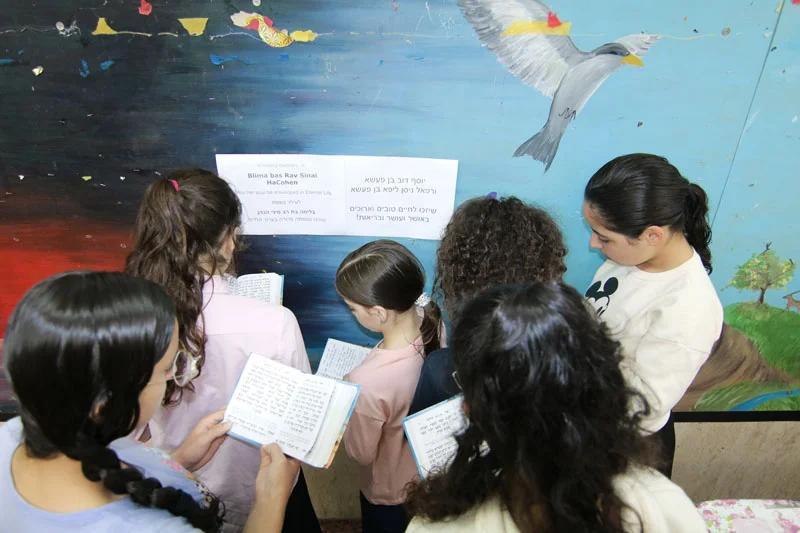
{"type": "Point", "coordinates": [544, 390]}
{"type": "Point", "coordinates": [635, 191]}
{"type": "Point", "coordinates": [177, 228]}
{"type": "Point", "coordinates": [387, 274]}
{"type": "Point", "coordinates": [490, 241]}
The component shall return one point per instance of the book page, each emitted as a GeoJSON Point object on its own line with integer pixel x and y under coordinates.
{"type": "Point", "coordinates": [341, 407]}
{"type": "Point", "coordinates": [267, 287]}
{"type": "Point", "coordinates": [261, 398]}
{"type": "Point", "coordinates": [304, 416]}
{"type": "Point", "coordinates": [339, 358]}
{"type": "Point", "coordinates": [431, 434]}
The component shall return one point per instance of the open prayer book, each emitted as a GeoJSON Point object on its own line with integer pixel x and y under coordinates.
{"type": "Point", "coordinates": [264, 286]}
{"type": "Point", "coordinates": [340, 358]}
{"type": "Point", "coordinates": [305, 415]}
{"type": "Point", "coordinates": [431, 434]}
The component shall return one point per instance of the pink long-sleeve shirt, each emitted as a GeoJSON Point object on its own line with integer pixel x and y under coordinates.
{"type": "Point", "coordinates": [235, 326]}
{"type": "Point", "coordinates": [374, 436]}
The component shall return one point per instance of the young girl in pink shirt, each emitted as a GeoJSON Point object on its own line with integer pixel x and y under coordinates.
{"type": "Point", "coordinates": [382, 284]}
{"type": "Point", "coordinates": [186, 236]}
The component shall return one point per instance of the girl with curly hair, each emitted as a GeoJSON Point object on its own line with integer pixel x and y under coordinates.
{"type": "Point", "coordinates": [89, 355]}
{"type": "Point", "coordinates": [550, 445]}
{"type": "Point", "coordinates": [187, 233]}
{"type": "Point", "coordinates": [488, 241]}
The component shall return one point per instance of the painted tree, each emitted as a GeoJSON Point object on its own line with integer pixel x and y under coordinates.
{"type": "Point", "coordinates": [763, 271]}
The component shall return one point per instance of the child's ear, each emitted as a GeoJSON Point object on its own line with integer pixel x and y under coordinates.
{"type": "Point", "coordinates": [379, 312]}
{"type": "Point", "coordinates": [653, 235]}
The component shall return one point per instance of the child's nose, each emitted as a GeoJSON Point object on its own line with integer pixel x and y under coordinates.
{"type": "Point", "coordinates": [594, 242]}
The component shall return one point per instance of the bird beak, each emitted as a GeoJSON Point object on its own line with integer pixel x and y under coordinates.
{"type": "Point", "coordinates": [631, 59]}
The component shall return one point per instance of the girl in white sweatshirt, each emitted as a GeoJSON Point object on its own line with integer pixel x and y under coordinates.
{"type": "Point", "coordinates": [653, 292]}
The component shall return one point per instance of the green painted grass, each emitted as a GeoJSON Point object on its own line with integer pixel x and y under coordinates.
{"type": "Point", "coordinates": [781, 404]}
{"type": "Point", "coordinates": [726, 398]}
{"type": "Point", "coordinates": [775, 331]}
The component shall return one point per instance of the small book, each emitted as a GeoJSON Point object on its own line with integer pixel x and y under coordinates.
{"type": "Point", "coordinates": [264, 286]}
{"type": "Point", "coordinates": [431, 434]}
{"type": "Point", "coordinates": [305, 415]}
{"type": "Point", "coordinates": [340, 358]}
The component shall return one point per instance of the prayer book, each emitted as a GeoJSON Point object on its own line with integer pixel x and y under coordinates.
{"type": "Point", "coordinates": [264, 286]}
{"type": "Point", "coordinates": [305, 415]}
{"type": "Point", "coordinates": [340, 358]}
{"type": "Point", "coordinates": [431, 434]}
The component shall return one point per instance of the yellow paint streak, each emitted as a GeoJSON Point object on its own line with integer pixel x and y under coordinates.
{"type": "Point", "coordinates": [524, 27]}
{"type": "Point", "coordinates": [632, 60]}
{"type": "Point", "coordinates": [86, 178]}
{"type": "Point", "coordinates": [306, 36]}
{"type": "Point", "coordinates": [169, 34]}
{"type": "Point", "coordinates": [195, 26]}
{"type": "Point", "coordinates": [103, 28]}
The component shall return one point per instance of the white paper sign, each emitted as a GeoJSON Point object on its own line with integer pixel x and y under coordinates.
{"type": "Point", "coordinates": [289, 194]}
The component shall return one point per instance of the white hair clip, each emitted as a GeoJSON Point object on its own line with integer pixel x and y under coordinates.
{"type": "Point", "coordinates": [423, 300]}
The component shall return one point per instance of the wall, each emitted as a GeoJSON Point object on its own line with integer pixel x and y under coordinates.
{"type": "Point", "coordinates": [80, 142]}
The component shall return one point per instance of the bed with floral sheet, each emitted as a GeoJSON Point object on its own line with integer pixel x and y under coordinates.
{"type": "Point", "coordinates": [751, 516]}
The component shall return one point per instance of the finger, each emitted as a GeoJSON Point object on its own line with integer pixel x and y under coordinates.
{"type": "Point", "coordinates": [218, 430]}
{"type": "Point", "coordinates": [215, 417]}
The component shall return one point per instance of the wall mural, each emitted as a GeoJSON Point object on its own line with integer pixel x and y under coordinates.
{"type": "Point", "coordinates": [531, 41]}
{"type": "Point", "coordinates": [101, 97]}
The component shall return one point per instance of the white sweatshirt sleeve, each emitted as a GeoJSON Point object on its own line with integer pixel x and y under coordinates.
{"type": "Point", "coordinates": [662, 371]}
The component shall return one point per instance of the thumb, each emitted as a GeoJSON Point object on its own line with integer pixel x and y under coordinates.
{"type": "Point", "coordinates": [219, 430]}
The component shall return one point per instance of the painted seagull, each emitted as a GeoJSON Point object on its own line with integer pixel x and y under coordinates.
{"type": "Point", "coordinates": [534, 45]}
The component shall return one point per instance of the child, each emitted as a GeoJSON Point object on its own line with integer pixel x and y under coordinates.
{"type": "Point", "coordinates": [653, 291]}
{"type": "Point", "coordinates": [186, 235]}
{"type": "Point", "coordinates": [488, 241]}
{"type": "Point", "coordinates": [382, 284]}
{"type": "Point", "coordinates": [550, 444]}
{"type": "Point", "coordinates": [89, 356]}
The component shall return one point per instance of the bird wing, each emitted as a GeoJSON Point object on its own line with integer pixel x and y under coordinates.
{"type": "Point", "coordinates": [539, 60]}
{"type": "Point", "coordinates": [638, 43]}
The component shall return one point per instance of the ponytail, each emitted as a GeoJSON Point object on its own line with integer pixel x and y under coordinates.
{"type": "Point", "coordinates": [183, 221]}
{"type": "Point", "coordinates": [696, 228]}
{"type": "Point", "coordinates": [635, 191]}
{"type": "Point", "coordinates": [431, 327]}
{"type": "Point", "coordinates": [102, 464]}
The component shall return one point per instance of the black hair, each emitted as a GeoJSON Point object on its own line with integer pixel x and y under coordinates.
{"type": "Point", "coordinates": [79, 349]}
{"type": "Point", "coordinates": [635, 191]}
{"type": "Point", "coordinates": [544, 390]}
{"type": "Point", "coordinates": [387, 274]}
{"type": "Point", "coordinates": [182, 220]}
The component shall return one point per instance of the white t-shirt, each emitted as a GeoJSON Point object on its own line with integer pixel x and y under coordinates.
{"type": "Point", "coordinates": [667, 323]}
{"type": "Point", "coordinates": [654, 505]}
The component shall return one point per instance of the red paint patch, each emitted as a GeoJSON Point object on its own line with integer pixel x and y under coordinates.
{"type": "Point", "coordinates": [552, 20]}
{"type": "Point", "coordinates": [145, 8]}
{"type": "Point", "coordinates": [40, 249]}
{"type": "Point", "coordinates": [796, 2]}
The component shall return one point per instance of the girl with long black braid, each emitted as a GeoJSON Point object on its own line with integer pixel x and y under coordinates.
{"type": "Point", "coordinates": [89, 356]}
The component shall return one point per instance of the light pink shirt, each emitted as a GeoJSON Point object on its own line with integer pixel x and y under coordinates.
{"type": "Point", "coordinates": [235, 326]}
{"type": "Point", "coordinates": [374, 436]}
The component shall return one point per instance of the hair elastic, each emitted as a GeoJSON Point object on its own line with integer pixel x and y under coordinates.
{"type": "Point", "coordinates": [422, 300]}
{"type": "Point", "coordinates": [175, 184]}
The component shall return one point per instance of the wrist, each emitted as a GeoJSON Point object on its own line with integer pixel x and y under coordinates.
{"type": "Point", "coordinates": [177, 456]}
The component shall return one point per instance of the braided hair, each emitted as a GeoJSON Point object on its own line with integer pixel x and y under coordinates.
{"type": "Point", "coordinates": [79, 349]}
